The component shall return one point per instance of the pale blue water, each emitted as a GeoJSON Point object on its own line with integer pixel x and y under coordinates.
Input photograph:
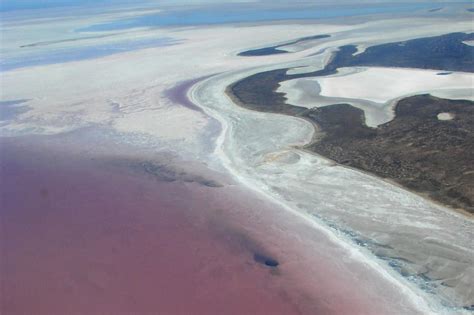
{"type": "Point", "coordinates": [80, 53]}
{"type": "Point", "coordinates": [13, 5]}
{"type": "Point", "coordinates": [220, 14]}
{"type": "Point", "coordinates": [177, 16]}
{"type": "Point", "coordinates": [10, 109]}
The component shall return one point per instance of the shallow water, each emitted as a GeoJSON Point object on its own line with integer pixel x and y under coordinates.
{"type": "Point", "coordinates": [34, 57]}
{"type": "Point", "coordinates": [219, 14]}
{"type": "Point", "coordinates": [93, 233]}
{"type": "Point", "coordinates": [81, 237]}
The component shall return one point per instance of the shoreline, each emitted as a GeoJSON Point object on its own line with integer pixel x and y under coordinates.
{"type": "Point", "coordinates": [259, 92]}
{"type": "Point", "coordinates": [315, 223]}
{"type": "Point", "coordinates": [225, 108]}
{"type": "Point", "coordinates": [319, 134]}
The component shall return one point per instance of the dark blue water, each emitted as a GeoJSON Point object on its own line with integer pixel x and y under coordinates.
{"type": "Point", "coordinates": [80, 53]}
{"type": "Point", "coordinates": [220, 14]}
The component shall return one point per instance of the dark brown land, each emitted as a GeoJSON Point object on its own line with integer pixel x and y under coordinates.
{"type": "Point", "coordinates": [416, 149]}
{"type": "Point", "coordinates": [273, 50]}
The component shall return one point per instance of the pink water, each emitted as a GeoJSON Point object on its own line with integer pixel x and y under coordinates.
{"type": "Point", "coordinates": [80, 237]}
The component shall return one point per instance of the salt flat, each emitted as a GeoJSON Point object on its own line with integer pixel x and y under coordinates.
{"type": "Point", "coordinates": [381, 85]}
{"type": "Point", "coordinates": [126, 91]}
{"type": "Point", "coordinates": [375, 90]}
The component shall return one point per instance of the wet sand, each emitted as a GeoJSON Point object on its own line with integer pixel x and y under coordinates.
{"type": "Point", "coordinates": [84, 236]}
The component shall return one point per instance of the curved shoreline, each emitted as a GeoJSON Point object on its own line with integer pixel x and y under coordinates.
{"type": "Point", "coordinates": [319, 134]}
{"type": "Point", "coordinates": [361, 254]}
{"type": "Point", "coordinates": [260, 92]}
{"type": "Point", "coordinates": [304, 113]}
{"type": "Point", "coordinates": [227, 129]}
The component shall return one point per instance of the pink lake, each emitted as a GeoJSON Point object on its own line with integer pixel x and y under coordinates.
{"type": "Point", "coordinates": [80, 236]}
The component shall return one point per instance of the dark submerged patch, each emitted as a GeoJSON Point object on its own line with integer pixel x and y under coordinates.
{"type": "Point", "coordinates": [265, 260]}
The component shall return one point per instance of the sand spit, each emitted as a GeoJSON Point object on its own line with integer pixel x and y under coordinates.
{"type": "Point", "coordinates": [376, 215]}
